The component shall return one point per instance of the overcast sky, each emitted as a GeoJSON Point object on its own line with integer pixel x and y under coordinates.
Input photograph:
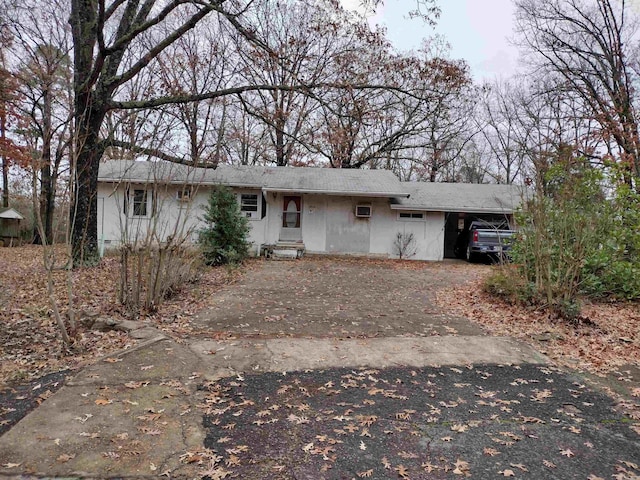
{"type": "Point", "coordinates": [477, 30]}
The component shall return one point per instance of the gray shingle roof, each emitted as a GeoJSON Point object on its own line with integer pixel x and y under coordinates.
{"type": "Point", "coordinates": [436, 197]}
{"type": "Point", "coordinates": [371, 183]}
{"type": "Point", "coordinates": [461, 197]}
{"type": "Point", "coordinates": [10, 213]}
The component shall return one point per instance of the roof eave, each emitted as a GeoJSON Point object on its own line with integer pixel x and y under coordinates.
{"type": "Point", "coordinates": [436, 208]}
{"type": "Point", "coordinates": [337, 192]}
{"type": "Point", "coordinates": [179, 182]}
{"type": "Point", "coordinates": [11, 214]}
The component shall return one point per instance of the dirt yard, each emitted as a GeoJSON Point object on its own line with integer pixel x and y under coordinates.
{"type": "Point", "coordinates": [345, 298]}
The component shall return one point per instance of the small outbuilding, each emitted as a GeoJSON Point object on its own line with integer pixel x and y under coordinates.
{"type": "Point", "coordinates": [10, 220]}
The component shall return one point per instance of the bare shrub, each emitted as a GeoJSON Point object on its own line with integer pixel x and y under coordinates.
{"type": "Point", "coordinates": [405, 245]}
{"type": "Point", "coordinates": [150, 273]}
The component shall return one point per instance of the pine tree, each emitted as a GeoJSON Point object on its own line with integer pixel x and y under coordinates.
{"type": "Point", "coordinates": [224, 239]}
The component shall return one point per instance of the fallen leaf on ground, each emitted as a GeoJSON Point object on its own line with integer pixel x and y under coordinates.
{"type": "Point", "coordinates": [462, 468]}
{"type": "Point", "coordinates": [65, 457]}
{"type": "Point", "coordinates": [491, 451]}
{"type": "Point", "coordinates": [460, 428]}
{"type": "Point", "coordinates": [402, 471]}
{"type": "Point", "coordinates": [567, 453]}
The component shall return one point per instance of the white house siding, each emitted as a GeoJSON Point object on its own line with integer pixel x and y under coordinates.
{"type": "Point", "coordinates": [428, 232]}
{"type": "Point", "coordinates": [429, 235]}
{"type": "Point", "coordinates": [314, 219]}
{"type": "Point", "coordinates": [328, 223]}
{"type": "Point", "coordinates": [344, 231]}
{"type": "Point", "coordinates": [258, 232]}
{"type": "Point", "coordinates": [173, 217]}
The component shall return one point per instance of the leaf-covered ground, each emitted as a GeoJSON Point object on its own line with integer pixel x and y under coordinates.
{"type": "Point", "coordinates": [479, 421]}
{"type": "Point", "coordinates": [605, 340]}
{"type": "Point", "coordinates": [474, 421]}
{"type": "Point", "coordinates": [30, 344]}
{"type": "Point", "coordinates": [391, 297]}
{"type": "Point", "coordinates": [320, 297]}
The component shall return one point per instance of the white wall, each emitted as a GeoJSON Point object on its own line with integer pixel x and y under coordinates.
{"type": "Point", "coordinates": [329, 223]}
{"type": "Point", "coordinates": [428, 232]}
{"type": "Point", "coordinates": [173, 216]}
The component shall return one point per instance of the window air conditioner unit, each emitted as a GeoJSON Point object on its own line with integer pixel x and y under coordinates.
{"type": "Point", "coordinates": [363, 211]}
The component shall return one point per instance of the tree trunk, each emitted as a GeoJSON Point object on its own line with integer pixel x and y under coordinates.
{"type": "Point", "coordinates": [5, 162]}
{"type": "Point", "coordinates": [46, 179]}
{"type": "Point", "coordinates": [281, 161]}
{"type": "Point", "coordinates": [435, 162]}
{"type": "Point", "coordinates": [84, 211]}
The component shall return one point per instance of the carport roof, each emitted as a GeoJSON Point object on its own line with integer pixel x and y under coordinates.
{"type": "Point", "coordinates": [328, 181]}
{"type": "Point", "coordinates": [461, 197]}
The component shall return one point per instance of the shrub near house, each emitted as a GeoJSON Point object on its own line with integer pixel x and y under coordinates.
{"type": "Point", "coordinates": [224, 238]}
{"type": "Point", "coordinates": [574, 240]}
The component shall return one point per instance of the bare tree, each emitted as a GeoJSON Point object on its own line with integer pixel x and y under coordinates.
{"type": "Point", "coordinates": [500, 118]}
{"type": "Point", "coordinates": [11, 151]}
{"type": "Point", "coordinates": [114, 44]}
{"type": "Point", "coordinates": [44, 71]}
{"type": "Point", "coordinates": [471, 165]}
{"type": "Point", "coordinates": [104, 35]}
{"type": "Point", "coordinates": [552, 124]}
{"type": "Point", "coordinates": [304, 40]}
{"type": "Point", "coordinates": [246, 140]}
{"type": "Point", "coordinates": [449, 128]}
{"type": "Point", "coordinates": [588, 45]}
{"type": "Point", "coordinates": [387, 127]}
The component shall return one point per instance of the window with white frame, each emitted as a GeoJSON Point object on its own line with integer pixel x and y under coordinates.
{"type": "Point", "coordinates": [411, 216]}
{"type": "Point", "coordinates": [183, 195]}
{"type": "Point", "coordinates": [136, 202]}
{"type": "Point", "coordinates": [249, 205]}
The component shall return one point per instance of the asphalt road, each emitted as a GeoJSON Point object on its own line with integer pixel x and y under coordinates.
{"type": "Point", "coordinates": [481, 421]}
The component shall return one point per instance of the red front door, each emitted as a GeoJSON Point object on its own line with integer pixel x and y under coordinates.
{"type": "Point", "coordinates": [291, 218]}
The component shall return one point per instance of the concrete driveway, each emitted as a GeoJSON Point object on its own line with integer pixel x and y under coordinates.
{"type": "Point", "coordinates": [336, 369]}
{"type": "Point", "coordinates": [340, 298]}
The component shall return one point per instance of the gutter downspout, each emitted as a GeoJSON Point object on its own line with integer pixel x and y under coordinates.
{"type": "Point", "coordinates": [265, 227]}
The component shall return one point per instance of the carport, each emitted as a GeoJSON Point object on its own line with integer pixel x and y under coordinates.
{"type": "Point", "coordinates": [461, 203]}
{"type": "Point", "coordinates": [456, 222]}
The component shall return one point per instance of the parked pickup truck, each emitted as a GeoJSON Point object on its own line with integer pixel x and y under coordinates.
{"type": "Point", "coordinates": [484, 238]}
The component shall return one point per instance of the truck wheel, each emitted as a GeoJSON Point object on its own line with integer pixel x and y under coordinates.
{"type": "Point", "coordinates": [469, 256]}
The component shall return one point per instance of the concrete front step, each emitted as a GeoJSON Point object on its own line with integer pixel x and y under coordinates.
{"type": "Point", "coordinates": [285, 250]}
